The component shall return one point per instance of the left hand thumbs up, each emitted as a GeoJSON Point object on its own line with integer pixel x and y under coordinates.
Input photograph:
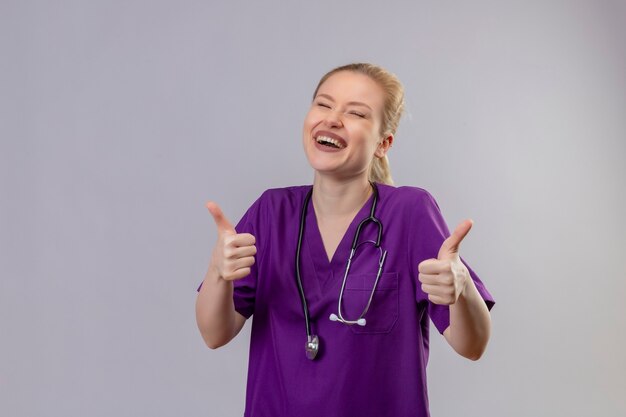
{"type": "Point", "coordinates": [444, 278]}
{"type": "Point", "coordinates": [450, 247]}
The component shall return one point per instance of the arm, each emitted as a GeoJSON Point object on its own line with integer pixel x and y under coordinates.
{"type": "Point", "coordinates": [447, 281]}
{"type": "Point", "coordinates": [232, 259]}
{"type": "Point", "coordinates": [470, 323]}
{"type": "Point", "coordinates": [217, 319]}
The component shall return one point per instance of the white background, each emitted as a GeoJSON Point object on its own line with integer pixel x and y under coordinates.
{"type": "Point", "coordinates": [120, 119]}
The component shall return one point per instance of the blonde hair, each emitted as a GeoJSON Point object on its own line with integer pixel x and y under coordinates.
{"type": "Point", "coordinates": [392, 110]}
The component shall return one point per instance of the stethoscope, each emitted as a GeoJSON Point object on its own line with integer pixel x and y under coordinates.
{"type": "Point", "coordinates": [313, 343]}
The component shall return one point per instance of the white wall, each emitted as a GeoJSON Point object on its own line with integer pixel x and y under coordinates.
{"type": "Point", "coordinates": [119, 119]}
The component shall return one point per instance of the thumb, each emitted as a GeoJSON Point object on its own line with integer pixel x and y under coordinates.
{"type": "Point", "coordinates": [450, 246]}
{"type": "Point", "coordinates": [221, 221]}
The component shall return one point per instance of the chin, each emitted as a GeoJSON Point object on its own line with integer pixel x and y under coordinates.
{"type": "Point", "coordinates": [324, 168]}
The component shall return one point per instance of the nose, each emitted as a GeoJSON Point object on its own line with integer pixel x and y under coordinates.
{"type": "Point", "coordinates": [333, 119]}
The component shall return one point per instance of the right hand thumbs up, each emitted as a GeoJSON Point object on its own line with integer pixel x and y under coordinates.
{"type": "Point", "coordinates": [234, 252]}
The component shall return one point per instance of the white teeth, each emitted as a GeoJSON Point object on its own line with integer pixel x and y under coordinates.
{"type": "Point", "coordinates": [321, 139]}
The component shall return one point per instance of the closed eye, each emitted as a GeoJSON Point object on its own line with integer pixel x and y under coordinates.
{"type": "Point", "coordinates": [320, 104]}
{"type": "Point", "coordinates": [356, 113]}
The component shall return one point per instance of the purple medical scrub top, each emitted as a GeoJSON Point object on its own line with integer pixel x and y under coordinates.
{"type": "Point", "coordinates": [376, 370]}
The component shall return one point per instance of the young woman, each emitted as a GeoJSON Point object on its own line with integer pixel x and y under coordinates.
{"type": "Point", "coordinates": [343, 276]}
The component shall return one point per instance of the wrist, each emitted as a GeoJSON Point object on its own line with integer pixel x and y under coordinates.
{"type": "Point", "coordinates": [213, 273]}
{"type": "Point", "coordinates": [467, 286]}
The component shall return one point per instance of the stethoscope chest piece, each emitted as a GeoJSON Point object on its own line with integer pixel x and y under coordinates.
{"type": "Point", "coordinates": [312, 346]}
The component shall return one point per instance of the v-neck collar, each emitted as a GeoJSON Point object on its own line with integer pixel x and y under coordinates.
{"type": "Point", "coordinates": [323, 268]}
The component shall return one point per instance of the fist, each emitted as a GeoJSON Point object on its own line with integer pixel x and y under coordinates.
{"type": "Point", "coordinates": [444, 279]}
{"type": "Point", "coordinates": [234, 252]}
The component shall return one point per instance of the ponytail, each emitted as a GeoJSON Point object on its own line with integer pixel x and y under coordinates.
{"type": "Point", "coordinates": [380, 172]}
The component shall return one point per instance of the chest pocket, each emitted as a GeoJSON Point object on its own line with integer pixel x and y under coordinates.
{"type": "Point", "coordinates": [383, 312]}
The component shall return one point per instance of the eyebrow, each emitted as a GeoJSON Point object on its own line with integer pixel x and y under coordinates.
{"type": "Point", "coordinates": [353, 103]}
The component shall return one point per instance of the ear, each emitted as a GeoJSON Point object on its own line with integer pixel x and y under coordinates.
{"type": "Point", "coordinates": [384, 146]}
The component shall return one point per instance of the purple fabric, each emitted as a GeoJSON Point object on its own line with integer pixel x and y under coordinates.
{"type": "Point", "coordinates": [376, 370]}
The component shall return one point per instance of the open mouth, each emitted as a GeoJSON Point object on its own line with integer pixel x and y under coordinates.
{"type": "Point", "coordinates": [330, 142]}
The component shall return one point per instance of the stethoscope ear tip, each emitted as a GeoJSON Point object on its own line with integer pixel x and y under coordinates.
{"type": "Point", "coordinates": [361, 322]}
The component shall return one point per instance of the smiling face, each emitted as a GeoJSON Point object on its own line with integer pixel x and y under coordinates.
{"type": "Point", "coordinates": [341, 133]}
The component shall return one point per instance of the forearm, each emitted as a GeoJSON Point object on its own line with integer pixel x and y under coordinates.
{"type": "Point", "coordinates": [470, 323]}
{"type": "Point", "coordinates": [215, 310]}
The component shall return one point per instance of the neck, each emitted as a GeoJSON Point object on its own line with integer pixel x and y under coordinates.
{"type": "Point", "coordinates": [338, 198]}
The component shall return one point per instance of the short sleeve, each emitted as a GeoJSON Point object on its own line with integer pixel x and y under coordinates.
{"type": "Point", "coordinates": [429, 231]}
{"type": "Point", "coordinates": [244, 289]}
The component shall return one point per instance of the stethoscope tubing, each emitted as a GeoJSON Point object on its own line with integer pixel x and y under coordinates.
{"type": "Point", "coordinates": [312, 345]}
{"type": "Point", "coordinates": [305, 307]}
{"type": "Point", "coordinates": [360, 321]}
